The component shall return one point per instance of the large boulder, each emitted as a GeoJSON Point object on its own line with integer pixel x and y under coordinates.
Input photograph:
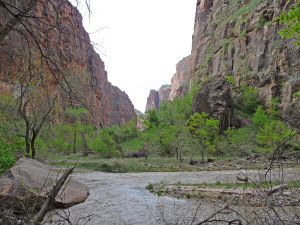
{"type": "Point", "coordinates": [27, 184]}
{"type": "Point", "coordinates": [214, 98]}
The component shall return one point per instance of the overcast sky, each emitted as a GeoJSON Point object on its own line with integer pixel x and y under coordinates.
{"type": "Point", "coordinates": [141, 41]}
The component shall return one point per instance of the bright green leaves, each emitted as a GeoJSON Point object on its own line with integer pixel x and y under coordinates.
{"type": "Point", "coordinates": [260, 118]}
{"type": "Point", "coordinates": [291, 22]}
{"type": "Point", "coordinates": [7, 158]}
{"type": "Point", "coordinates": [249, 98]}
{"type": "Point", "coordinates": [271, 131]}
{"type": "Point", "coordinates": [205, 129]}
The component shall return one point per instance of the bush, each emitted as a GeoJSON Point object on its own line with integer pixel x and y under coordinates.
{"type": "Point", "coordinates": [272, 134]}
{"type": "Point", "coordinates": [249, 98]}
{"type": "Point", "coordinates": [7, 158]}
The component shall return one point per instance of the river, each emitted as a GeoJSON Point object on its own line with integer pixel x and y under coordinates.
{"type": "Point", "coordinates": [123, 199]}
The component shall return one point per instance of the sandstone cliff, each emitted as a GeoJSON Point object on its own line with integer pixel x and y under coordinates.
{"type": "Point", "coordinates": [70, 59]}
{"type": "Point", "coordinates": [239, 39]}
{"type": "Point", "coordinates": [178, 88]}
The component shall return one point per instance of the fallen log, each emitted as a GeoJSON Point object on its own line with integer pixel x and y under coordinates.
{"type": "Point", "coordinates": [242, 177]}
{"type": "Point", "coordinates": [49, 202]}
{"type": "Point", "coordinates": [272, 190]}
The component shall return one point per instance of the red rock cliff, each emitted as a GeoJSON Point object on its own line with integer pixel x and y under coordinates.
{"type": "Point", "coordinates": [179, 86]}
{"type": "Point", "coordinates": [239, 39]}
{"type": "Point", "coordinates": [68, 46]}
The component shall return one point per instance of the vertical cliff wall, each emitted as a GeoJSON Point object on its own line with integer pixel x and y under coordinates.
{"type": "Point", "coordinates": [179, 86]}
{"type": "Point", "coordinates": [239, 39]}
{"type": "Point", "coordinates": [60, 36]}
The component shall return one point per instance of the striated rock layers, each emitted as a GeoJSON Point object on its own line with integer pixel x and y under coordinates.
{"type": "Point", "coordinates": [214, 98]}
{"type": "Point", "coordinates": [239, 39]}
{"type": "Point", "coordinates": [179, 86]}
{"type": "Point", "coordinates": [70, 61]}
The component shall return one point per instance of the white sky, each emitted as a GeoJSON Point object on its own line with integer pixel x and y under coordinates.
{"type": "Point", "coordinates": [141, 42]}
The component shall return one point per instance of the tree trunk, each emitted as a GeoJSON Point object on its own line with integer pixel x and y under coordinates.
{"type": "Point", "coordinates": [27, 142]}
{"type": "Point", "coordinates": [85, 147]}
{"type": "Point", "coordinates": [74, 148]}
{"type": "Point", "coordinates": [202, 151]}
{"type": "Point", "coordinates": [34, 136]}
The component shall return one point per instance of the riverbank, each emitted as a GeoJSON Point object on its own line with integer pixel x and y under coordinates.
{"type": "Point", "coordinates": [164, 164]}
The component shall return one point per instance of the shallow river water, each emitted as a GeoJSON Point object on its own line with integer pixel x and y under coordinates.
{"type": "Point", "coordinates": [123, 199]}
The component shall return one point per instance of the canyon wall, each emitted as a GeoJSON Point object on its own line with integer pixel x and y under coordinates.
{"type": "Point", "coordinates": [63, 49]}
{"type": "Point", "coordinates": [179, 86]}
{"type": "Point", "coordinates": [240, 39]}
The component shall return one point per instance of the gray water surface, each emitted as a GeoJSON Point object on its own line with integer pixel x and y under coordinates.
{"type": "Point", "coordinates": [123, 199]}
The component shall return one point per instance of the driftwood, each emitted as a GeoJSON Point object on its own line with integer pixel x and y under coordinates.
{"type": "Point", "coordinates": [242, 177]}
{"type": "Point", "coordinates": [276, 188]}
{"type": "Point", "coordinates": [49, 202]}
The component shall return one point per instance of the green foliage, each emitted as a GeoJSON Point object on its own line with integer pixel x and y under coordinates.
{"type": "Point", "coordinates": [261, 21]}
{"type": "Point", "coordinates": [239, 142]}
{"type": "Point", "coordinates": [249, 98]}
{"type": "Point", "coordinates": [260, 118]}
{"type": "Point", "coordinates": [242, 34]}
{"type": "Point", "coordinates": [247, 8]}
{"type": "Point", "coordinates": [209, 54]}
{"type": "Point", "coordinates": [104, 144]}
{"type": "Point", "coordinates": [231, 81]}
{"type": "Point", "coordinates": [291, 22]}
{"type": "Point", "coordinates": [152, 118]}
{"type": "Point", "coordinates": [7, 158]}
{"type": "Point", "coordinates": [205, 130]}
{"type": "Point", "coordinates": [271, 131]}
{"type": "Point", "coordinates": [272, 134]}
{"type": "Point", "coordinates": [149, 187]}
{"type": "Point", "coordinates": [273, 110]}
{"type": "Point", "coordinates": [296, 94]}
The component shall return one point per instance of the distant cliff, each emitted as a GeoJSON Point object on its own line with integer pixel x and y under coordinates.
{"type": "Point", "coordinates": [62, 37]}
{"type": "Point", "coordinates": [179, 86]}
{"type": "Point", "coordinates": [240, 39]}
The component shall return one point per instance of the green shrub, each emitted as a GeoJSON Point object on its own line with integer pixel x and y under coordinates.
{"type": "Point", "coordinates": [260, 118]}
{"type": "Point", "coordinates": [7, 158]}
{"type": "Point", "coordinates": [149, 187]}
{"type": "Point", "coordinates": [273, 133]}
{"type": "Point", "coordinates": [249, 98]}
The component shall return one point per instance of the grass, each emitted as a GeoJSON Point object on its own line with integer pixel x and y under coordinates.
{"type": "Point", "coordinates": [245, 9]}
{"type": "Point", "coordinates": [124, 165]}
{"type": "Point", "coordinates": [218, 184]}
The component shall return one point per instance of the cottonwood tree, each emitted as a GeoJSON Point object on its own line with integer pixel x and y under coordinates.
{"type": "Point", "coordinates": [204, 129]}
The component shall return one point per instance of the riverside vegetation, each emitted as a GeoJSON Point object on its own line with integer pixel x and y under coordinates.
{"type": "Point", "coordinates": [37, 123]}
{"type": "Point", "coordinates": [173, 140]}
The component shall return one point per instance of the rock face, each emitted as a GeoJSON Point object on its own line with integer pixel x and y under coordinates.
{"type": "Point", "coordinates": [180, 80]}
{"type": "Point", "coordinates": [29, 181]}
{"type": "Point", "coordinates": [72, 54]}
{"type": "Point", "coordinates": [152, 100]}
{"type": "Point", "coordinates": [179, 86]}
{"type": "Point", "coordinates": [239, 39]}
{"type": "Point", "coordinates": [213, 98]}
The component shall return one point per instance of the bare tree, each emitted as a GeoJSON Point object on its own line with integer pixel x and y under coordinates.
{"type": "Point", "coordinates": [36, 58]}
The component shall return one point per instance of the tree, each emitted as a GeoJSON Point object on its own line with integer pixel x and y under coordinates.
{"type": "Point", "coordinates": [32, 99]}
{"type": "Point", "coordinates": [291, 22]}
{"type": "Point", "coordinates": [204, 129]}
{"type": "Point", "coordinates": [77, 116]}
{"type": "Point", "coordinates": [34, 61]}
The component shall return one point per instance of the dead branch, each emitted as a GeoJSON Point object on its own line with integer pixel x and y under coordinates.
{"type": "Point", "coordinates": [49, 202]}
{"type": "Point", "coordinates": [272, 190]}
